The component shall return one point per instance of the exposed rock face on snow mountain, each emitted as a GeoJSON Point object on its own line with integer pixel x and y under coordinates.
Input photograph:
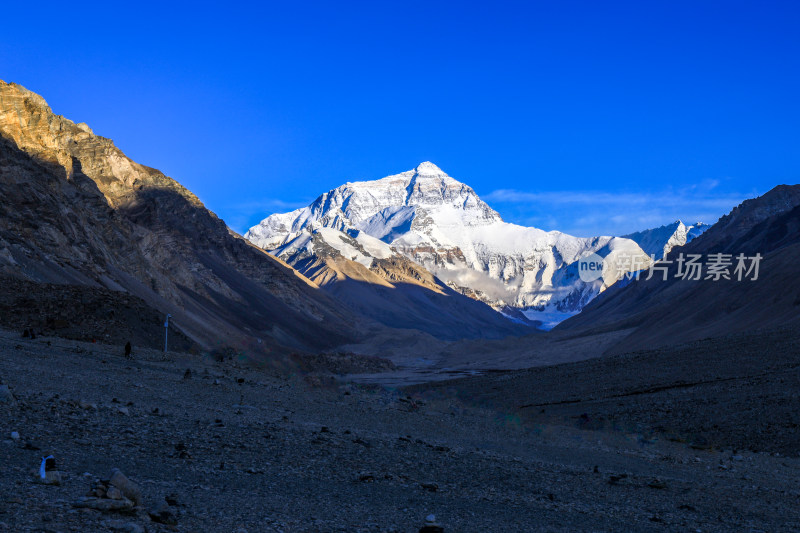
{"type": "Point", "coordinates": [440, 223]}
{"type": "Point", "coordinates": [659, 242]}
{"type": "Point", "coordinates": [372, 279]}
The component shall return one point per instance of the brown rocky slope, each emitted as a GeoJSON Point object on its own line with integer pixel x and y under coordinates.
{"type": "Point", "coordinates": [399, 293]}
{"type": "Point", "coordinates": [75, 210]}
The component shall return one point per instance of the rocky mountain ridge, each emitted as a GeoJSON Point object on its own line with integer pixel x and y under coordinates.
{"type": "Point", "coordinates": [74, 209]}
{"type": "Point", "coordinates": [673, 307]}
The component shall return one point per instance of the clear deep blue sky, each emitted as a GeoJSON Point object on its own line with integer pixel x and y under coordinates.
{"type": "Point", "coordinates": [587, 117]}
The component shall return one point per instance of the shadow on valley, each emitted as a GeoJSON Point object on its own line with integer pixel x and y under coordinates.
{"type": "Point", "coordinates": [92, 314]}
{"type": "Point", "coordinates": [445, 315]}
{"type": "Point", "coordinates": [734, 392]}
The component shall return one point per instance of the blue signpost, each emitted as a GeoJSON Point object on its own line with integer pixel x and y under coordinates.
{"type": "Point", "coordinates": [166, 331]}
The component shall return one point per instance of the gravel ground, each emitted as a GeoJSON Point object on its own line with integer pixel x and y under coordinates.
{"type": "Point", "coordinates": [233, 448]}
{"type": "Point", "coordinates": [739, 392]}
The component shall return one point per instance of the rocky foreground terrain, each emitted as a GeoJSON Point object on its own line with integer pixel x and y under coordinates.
{"type": "Point", "coordinates": [211, 445]}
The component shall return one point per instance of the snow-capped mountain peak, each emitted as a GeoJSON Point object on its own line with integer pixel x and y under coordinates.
{"type": "Point", "coordinates": [440, 223]}
{"type": "Point", "coordinates": [660, 241]}
{"type": "Point", "coordinates": [426, 169]}
{"type": "Point", "coordinates": [382, 207]}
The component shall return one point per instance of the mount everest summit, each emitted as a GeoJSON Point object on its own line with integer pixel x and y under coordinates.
{"type": "Point", "coordinates": [429, 221]}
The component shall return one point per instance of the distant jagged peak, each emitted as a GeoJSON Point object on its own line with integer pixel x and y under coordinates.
{"type": "Point", "coordinates": [426, 169]}
{"type": "Point", "coordinates": [661, 240]}
{"type": "Point", "coordinates": [385, 205]}
{"type": "Point", "coordinates": [424, 172]}
{"type": "Point", "coordinates": [429, 181]}
{"type": "Point", "coordinates": [426, 185]}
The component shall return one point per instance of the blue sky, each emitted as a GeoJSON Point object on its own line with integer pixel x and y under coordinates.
{"type": "Point", "coordinates": [586, 117]}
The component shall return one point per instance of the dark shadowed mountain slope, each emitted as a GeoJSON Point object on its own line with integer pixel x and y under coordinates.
{"type": "Point", "coordinates": [372, 279]}
{"type": "Point", "coordinates": [84, 312]}
{"type": "Point", "coordinates": [660, 313]}
{"type": "Point", "coordinates": [75, 210]}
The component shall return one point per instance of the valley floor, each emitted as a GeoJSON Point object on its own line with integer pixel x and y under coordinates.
{"type": "Point", "coordinates": [236, 449]}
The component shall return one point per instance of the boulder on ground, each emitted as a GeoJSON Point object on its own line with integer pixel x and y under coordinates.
{"type": "Point", "coordinates": [6, 397]}
{"type": "Point", "coordinates": [128, 488]}
{"type": "Point", "coordinates": [104, 504]}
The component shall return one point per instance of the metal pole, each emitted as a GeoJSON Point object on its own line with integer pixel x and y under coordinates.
{"type": "Point", "coordinates": [166, 332]}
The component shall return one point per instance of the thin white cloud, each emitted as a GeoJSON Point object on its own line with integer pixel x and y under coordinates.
{"type": "Point", "coordinates": [588, 213]}
{"type": "Point", "coordinates": [267, 206]}
{"type": "Point", "coordinates": [594, 198]}
{"type": "Point", "coordinates": [242, 216]}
